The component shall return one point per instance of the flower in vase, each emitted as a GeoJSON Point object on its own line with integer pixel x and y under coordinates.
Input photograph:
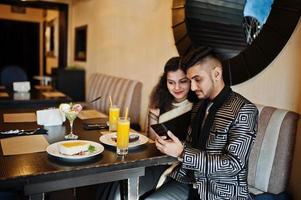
{"type": "Point", "coordinates": [77, 107]}
{"type": "Point", "coordinates": [69, 107]}
{"type": "Point", "coordinates": [65, 107]}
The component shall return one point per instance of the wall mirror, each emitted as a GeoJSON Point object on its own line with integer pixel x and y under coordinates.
{"type": "Point", "coordinates": [247, 34]}
{"type": "Point", "coordinates": [80, 44]}
{"type": "Point", "coordinates": [255, 14]}
{"type": "Point", "coordinates": [50, 38]}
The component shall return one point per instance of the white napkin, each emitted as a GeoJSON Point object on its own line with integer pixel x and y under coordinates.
{"type": "Point", "coordinates": [50, 117]}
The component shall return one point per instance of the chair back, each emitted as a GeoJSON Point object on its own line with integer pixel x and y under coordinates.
{"type": "Point", "coordinates": [10, 74]}
{"type": "Point", "coordinates": [272, 153]}
{"type": "Point", "coordinates": [124, 93]}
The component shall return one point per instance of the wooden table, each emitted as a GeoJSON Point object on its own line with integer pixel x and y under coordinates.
{"type": "Point", "coordinates": [38, 173]}
{"type": "Point", "coordinates": [33, 99]}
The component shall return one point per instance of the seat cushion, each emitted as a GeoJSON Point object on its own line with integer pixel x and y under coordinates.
{"type": "Point", "coordinates": [124, 93]}
{"type": "Point", "coordinates": [271, 156]}
{"type": "Point", "coordinates": [269, 196]}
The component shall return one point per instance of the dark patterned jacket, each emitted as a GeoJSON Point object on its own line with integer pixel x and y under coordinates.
{"type": "Point", "coordinates": [219, 169]}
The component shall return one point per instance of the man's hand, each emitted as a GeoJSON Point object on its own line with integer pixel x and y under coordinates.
{"type": "Point", "coordinates": [172, 147]}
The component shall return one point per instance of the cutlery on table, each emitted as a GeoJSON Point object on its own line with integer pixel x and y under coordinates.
{"type": "Point", "coordinates": [20, 132]}
{"type": "Point", "coordinates": [95, 99]}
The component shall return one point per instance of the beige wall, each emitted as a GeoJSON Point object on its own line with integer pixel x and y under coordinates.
{"type": "Point", "coordinates": [31, 15]}
{"type": "Point", "coordinates": [132, 39]}
{"type": "Point", "coordinates": [280, 83]}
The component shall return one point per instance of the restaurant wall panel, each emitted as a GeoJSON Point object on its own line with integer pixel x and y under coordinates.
{"type": "Point", "coordinates": [132, 39]}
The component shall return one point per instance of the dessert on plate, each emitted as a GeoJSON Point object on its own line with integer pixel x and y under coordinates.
{"type": "Point", "coordinates": [132, 138]}
{"type": "Point", "coordinates": [73, 148]}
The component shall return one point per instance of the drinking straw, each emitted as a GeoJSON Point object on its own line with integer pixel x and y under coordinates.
{"type": "Point", "coordinates": [126, 112]}
{"type": "Point", "coordinates": [111, 103]}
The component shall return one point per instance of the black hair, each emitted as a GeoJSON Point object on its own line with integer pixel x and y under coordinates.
{"type": "Point", "coordinates": [160, 96]}
{"type": "Point", "coordinates": [197, 55]}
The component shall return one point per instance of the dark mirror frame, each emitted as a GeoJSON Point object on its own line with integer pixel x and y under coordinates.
{"type": "Point", "coordinates": [278, 28]}
{"type": "Point", "coordinates": [80, 43]}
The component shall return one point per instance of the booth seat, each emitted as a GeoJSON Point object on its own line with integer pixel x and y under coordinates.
{"type": "Point", "coordinates": [272, 153]}
{"type": "Point", "coordinates": [124, 93]}
{"type": "Point", "coordinates": [271, 156]}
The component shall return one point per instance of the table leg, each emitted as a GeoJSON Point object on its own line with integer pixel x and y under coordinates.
{"type": "Point", "coordinates": [133, 186]}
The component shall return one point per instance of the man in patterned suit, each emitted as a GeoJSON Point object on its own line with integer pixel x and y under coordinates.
{"type": "Point", "coordinates": [214, 158]}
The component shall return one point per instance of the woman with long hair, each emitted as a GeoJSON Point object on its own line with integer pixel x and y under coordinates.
{"type": "Point", "coordinates": [171, 100]}
{"type": "Point", "coordinates": [170, 104]}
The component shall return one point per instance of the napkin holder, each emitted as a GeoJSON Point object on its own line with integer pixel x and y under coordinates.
{"type": "Point", "coordinates": [21, 86]}
{"type": "Point", "coordinates": [50, 117]}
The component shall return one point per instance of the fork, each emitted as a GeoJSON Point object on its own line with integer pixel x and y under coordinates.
{"type": "Point", "coordinates": [29, 132]}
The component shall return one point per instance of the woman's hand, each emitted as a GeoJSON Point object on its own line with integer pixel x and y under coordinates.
{"type": "Point", "coordinates": [172, 147]}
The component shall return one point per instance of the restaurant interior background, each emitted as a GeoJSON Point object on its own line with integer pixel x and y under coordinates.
{"type": "Point", "coordinates": [134, 39]}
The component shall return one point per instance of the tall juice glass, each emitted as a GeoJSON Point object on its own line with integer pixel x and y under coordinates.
{"type": "Point", "coordinates": [113, 117]}
{"type": "Point", "coordinates": [123, 131]}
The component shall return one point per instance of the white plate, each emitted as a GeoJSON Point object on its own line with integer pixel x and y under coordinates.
{"type": "Point", "coordinates": [53, 150]}
{"type": "Point", "coordinates": [107, 139]}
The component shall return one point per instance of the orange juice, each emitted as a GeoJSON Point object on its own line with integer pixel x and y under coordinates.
{"type": "Point", "coordinates": [113, 117]}
{"type": "Point", "coordinates": [123, 130]}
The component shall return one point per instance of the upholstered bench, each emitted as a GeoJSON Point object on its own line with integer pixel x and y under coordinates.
{"type": "Point", "coordinates": [272, 153]}
{"type": "Point", "coordinates": [271, 156]}
{"type": "Point", "coordinates": [124, 93]}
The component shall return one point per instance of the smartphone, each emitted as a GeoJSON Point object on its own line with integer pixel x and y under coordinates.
{"type": "Point", "coordinates": [95, 126]}
{"type": "Point", "coordinates": [160, 129]}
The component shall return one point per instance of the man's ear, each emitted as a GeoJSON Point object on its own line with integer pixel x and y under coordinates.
{"type": "Point", "coordinates": [217, 73]}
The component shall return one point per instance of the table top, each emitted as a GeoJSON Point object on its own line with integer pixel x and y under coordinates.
{"type": "Point", "coordinates": [32, 99]}
{"type": "Point", "coordinates": [18, 170]}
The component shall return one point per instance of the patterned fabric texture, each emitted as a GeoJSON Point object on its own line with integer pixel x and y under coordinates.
{"type": "Point", "coordinates": [221, 171]}
{"type": "Point", "coordinates": [271, 156]}
{"type": "Point", "coordinates": [124, 93]}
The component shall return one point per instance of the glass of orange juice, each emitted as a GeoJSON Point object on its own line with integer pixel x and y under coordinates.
{"type": "Point", "coordinates": [113, 117]}
{"type": "Point", "coordinates": [123, 131]}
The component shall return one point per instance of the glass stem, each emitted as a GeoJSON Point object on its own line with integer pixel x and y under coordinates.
{"type": "Point", "coordinates": [71, 126]}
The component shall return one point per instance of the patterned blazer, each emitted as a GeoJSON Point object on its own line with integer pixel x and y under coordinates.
{"type": "Point", "coordinates": [220, 170]}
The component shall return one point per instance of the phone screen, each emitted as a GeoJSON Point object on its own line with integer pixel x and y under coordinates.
{"type": "Point", "coordinates": [95, 126]}
{"type": "Point", "coordinates": [160, 129]}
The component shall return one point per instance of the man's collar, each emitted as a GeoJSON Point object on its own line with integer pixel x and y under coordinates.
{"type": "Point", "coordinates": [224, 93]}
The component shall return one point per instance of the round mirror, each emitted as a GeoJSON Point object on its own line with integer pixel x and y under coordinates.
{"type": "Point", "coordinates": [255, 14]}
{"type": "Point", "coordinates": [247, 35]}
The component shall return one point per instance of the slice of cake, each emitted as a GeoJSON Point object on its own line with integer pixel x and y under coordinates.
{"type": "Point", "coordinates": [73, 148]}
{"type": "Point", "coordinates": [132, 138]}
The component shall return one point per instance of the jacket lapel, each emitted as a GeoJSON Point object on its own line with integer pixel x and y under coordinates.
{"type": "Point", "coordinates": [201, 134]}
